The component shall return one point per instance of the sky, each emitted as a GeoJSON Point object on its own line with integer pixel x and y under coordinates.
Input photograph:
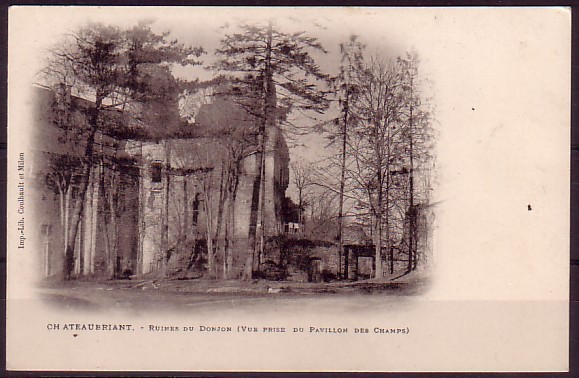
{"type": "Point", "coordinates": [206, 26]}
{"type": "Point", "coordinates": [500, 82]}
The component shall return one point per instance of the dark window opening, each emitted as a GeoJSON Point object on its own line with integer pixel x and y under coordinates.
{"type": "Point", "coordinates": [156, 168]}
{"type": "Point", "coordinates": [196, 205]}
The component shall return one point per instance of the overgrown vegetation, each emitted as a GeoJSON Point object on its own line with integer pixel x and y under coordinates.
{"type": "Point", "coordinates": [113, 85]}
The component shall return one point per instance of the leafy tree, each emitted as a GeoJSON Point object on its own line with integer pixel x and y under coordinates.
{"type": "Point", "coordinates": [290, 210]}
{"type": "Point", "coordinates": [116, 69]}
{"type": "Point", "coordinates": [274, 74]}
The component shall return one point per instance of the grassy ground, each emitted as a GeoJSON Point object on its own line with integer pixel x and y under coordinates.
{"type": "Point", "coordinates": [145, 294]}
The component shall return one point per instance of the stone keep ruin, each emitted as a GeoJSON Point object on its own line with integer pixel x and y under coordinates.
{"type": "Point", "coordinates": [141, 174]}
{"type": "Point", "coordinates": [186, 206]}
{"type": "Point", "coordinates": [156, 207]}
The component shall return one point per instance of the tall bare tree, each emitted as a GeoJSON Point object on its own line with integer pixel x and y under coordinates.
{"type": "Point", "coordinates": [223, 121]}
{"type": "Point", "coordinates": [378, 110]}
{"type": "Point", "coordinates": [346, 84]}
{"type": "Point", "coordinates": [417, 119]}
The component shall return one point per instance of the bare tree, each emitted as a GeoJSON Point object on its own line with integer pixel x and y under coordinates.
{"type": "Point", "coordinates": [233, 133]}
{"type": "Point", "coordinates": [347, 90]}
{"type": "Point", "coordinates": [376, 152]}
{"type": "Point", "coordinates": [416, 118]}
{"type": "Point", "coordinates": [302, 179]}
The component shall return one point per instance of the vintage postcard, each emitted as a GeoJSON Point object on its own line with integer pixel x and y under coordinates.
{"type": "Point", "coordinates": [288, 189]}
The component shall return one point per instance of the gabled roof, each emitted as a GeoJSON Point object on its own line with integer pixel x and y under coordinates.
{"type": "Point", "coordinates": [354, 234]}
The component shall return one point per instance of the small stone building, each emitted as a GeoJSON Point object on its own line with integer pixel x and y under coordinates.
{"type": "Point", "coordinates": [358, 254]}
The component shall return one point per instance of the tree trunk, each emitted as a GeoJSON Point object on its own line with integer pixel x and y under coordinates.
{"type": "Point", "coordinates": [78, 210]}
{"type": "Point", "coordinates": [412, 225]}
{"type": "Point", "coordinates": [95, 212]}
{"type": "Point", "coordinates": [165, 254]}
{"type": "Point", "coordinates": [387, 199]}
{"type": "Point", "coordinates": [75, 225]}
{"type": "Point", "coordinates": [342, 183]}
{"type": "Point", "coordinates": [87, 229]}
{"type": "Point", "coordinates": [378, 210]}
{"type": "Point", "coordinates": [66, 231]}
{"type": "Point", "coordinates": [61, 205]}
{"type": "Point", "coordinates": [300, 204]}
{"type": "Point", "coordinates": [185, 228]}
{"type": "Point", "coordinates": [110, 266]}
{"type": "Point", "coordinates": [109, 222]}
{"type": "Point", "coordinates": [219, 247]}
{"type": "Point", "coordinates": [114, 230]}
{"type": "Point", "coordinates": [262, 234]}
{"type": "Point", "coordinates": [269, 104]}
{"type": "Point", "coordinates": [224, 241]}
{"type": "Point", "coordinates": [387, 208]}
{"type": "Point", "coordinates": [141, 217]}
{"type": "Point", "coordinates": [209, 233]}
{"type": "Point", "coordinates": [230, 238]}
{"type": "Point", "coordinates": [378, 242]}
{"type": "Point", "coordinates": [91, 218]}
{"type": "Point", "coordinates": [251, 239]}
{"type": "Point", "coordinates": [63, 197]}
{"type": "Point", "coordinates": [230, 230]}
{"type": "Point", "coordinates": [391, 248]}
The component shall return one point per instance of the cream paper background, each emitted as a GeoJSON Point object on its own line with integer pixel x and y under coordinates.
{"type": "Point", "coordinates": [499, 300]}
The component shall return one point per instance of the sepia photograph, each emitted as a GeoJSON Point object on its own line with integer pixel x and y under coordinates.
{"type": "Point", "coordinates": [288, 189]}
